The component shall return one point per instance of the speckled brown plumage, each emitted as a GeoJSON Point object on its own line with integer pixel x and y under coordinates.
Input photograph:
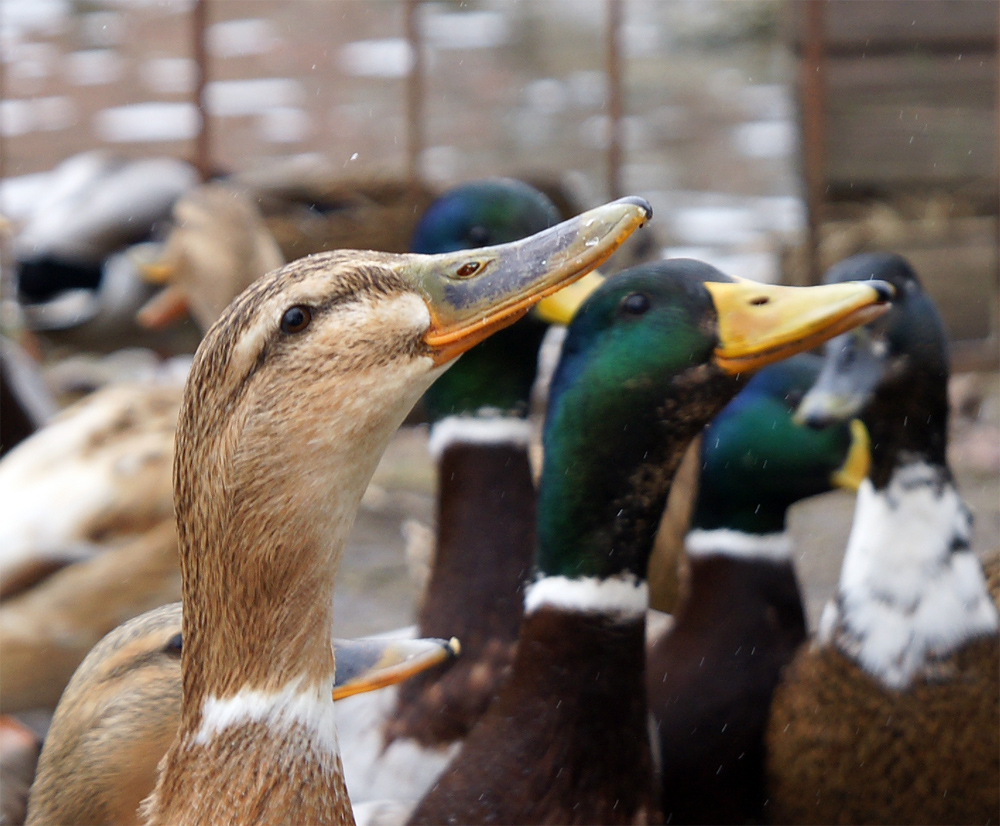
{"type": "Point", "coordinates": [114, 722]}
{"type": "Point", "coordinates": [475, 592]}
{"type": "Point", "coordinates": [842, 749]}
{"type": "Point", "coordinates": [257, 790]}
{"type": "Point", "coordinates": [565, 753]}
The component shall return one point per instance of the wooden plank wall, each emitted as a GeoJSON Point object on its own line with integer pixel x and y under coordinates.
{"type": "Point", "coordinates": [911, 94]}
{"type": "Point", "coordinates": [912, 147]}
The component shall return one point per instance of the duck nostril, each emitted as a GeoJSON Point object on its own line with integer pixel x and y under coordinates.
{"type": "Point", "coordinates": [468, 269]}
{"type": "Point", "coordinates": [761, 299]}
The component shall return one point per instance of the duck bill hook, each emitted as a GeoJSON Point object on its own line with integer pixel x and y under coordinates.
{"type": "Point", "coordinates": [473, 293]}
{"type": "Point", "coordinates": [763, 323]}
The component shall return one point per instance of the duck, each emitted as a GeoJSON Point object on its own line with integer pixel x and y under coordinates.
{"type": "Point", "coordinates": [480, 435]}
{"type": "Point", "coordinates": [120, 439]}
{"type": "Point", "coordinates": [106, 461]}
{"type": "Point", "coordinates": [218, 245]}
{"type": "Point", "coordinates": [892, 714]}
{"type": "Point", "coordinates": [47, 630]}
{"type": "Point", "coordinates": [77, 254]}
{"type": "Point", "coordinates": [650, 357]}
{"type": "Point", "coordinates": [309, 206]}
{"type": "Point", "coordinates": [710, 680]}
{"type": "Point", "coordinates": [121, 709]}
{"type": "Point", "coordinates": [292, 397]}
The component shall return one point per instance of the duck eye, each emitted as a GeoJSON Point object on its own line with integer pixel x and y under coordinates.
{"type": "Point", "coordinates": [469, 268]}
{"type": "Point", "coordinates": [296, 319]}
{"type": "Point", "coordinates": [634, 304]}
{"type": "Point", "coordinates": [174, 645]}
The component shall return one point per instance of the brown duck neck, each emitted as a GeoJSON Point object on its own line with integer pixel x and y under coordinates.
{"type": "Point", "coordinates": [486, 536]}
{"type": "Point", "coordinates": [567, 740]}
{"type": "Point", "coordinates": [259, 547]}
{"type": "Point", "coordinates": [761, 581]}
{"type": "Point", "coordinates": [710, 682]}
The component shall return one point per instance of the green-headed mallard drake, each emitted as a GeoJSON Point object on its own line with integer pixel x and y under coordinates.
{"type": "Point", "coordinates": [893, 715]}
{"type": "Point", "coordinates": [292, 397]}
{"type": "Point", "coordinates": [479, 438]}
{"type": "Point", "coordinates": [711, 678]}
{"type": "Point", "coordinates": [651, 356]}
{"type": "Point", "coordinates": [120, 712]}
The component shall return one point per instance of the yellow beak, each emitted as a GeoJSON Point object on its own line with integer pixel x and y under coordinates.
{"type": "Point", "coordinates": [560, 307]}
{"type": "Point", "coordinates": [763, 323]}
{"type": "Point", "coordinates": [852, 473]}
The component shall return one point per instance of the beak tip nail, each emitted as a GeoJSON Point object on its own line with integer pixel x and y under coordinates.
{"type": "Point", "coordinates": [642, 203]}
{"type": "Point", "coordinates": [885, 291]}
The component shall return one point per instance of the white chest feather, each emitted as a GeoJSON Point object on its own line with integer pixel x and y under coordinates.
{"type": "Point", "coordinates": [911, 591]}
{"type": "Point", "coordinates": [624, 596]}
{"type": "Point", "coordinates": [310, 709]}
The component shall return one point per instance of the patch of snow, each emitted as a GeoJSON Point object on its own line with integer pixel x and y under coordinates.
{"type": "Point", "coordinates": [147, 122]}
{"type": "Point", "coordinates": [234, 98]}
{"type": "Point", "coordinates": [32, 60]}
{"type": "Point", "coordinates": [23, 116]}
{"type": "Point", "coordinates": [387, 57]}
{"type": "Point", "coordinates": [766, 139]}
{"type": "Point", "coordinates": [94, 67]}
{"type": "Point", "coordinates": [168, 75]}
{"type": "Point", "coordinates": [102, 28]}
{"type": "Point", "coordinates": [284, 124]}
{"type": "Point", "coordinates": [238, 38]}
{"type": "Point", "coordinates": [465, 30]}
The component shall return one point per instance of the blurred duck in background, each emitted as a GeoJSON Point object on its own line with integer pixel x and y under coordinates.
{"type": "Point", "coordinates": [76, 255]}
{"type": "Point", "coordinates": [217, 247]}
{"type": "Point", "coordinates": [893, 714]}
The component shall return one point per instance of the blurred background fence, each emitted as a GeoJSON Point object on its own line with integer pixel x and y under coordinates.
{"type": "Point", "coordinates": [872, 123]}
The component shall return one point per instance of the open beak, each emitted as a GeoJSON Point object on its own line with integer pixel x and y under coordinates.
{"type": "Point", "coordinates": [763, 323]}
{"type": "Point", "coordinates": [473, 293]}
{"type": "Point", "coordinates": [368, 664]}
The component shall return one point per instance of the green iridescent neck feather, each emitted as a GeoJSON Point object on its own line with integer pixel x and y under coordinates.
{"type": "Point", "coordinates": [756, 461]}
{"type": "Point", "coordinates": [495, 376]}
